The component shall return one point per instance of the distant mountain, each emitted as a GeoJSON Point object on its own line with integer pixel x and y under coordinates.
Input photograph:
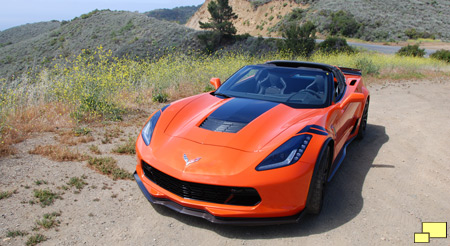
{"type": "Point", "coordinates": [20, 33]}
{"type": "Point", "coordinates": [381, 19]}
{"type": "Point", "coordinates": [179, 14]}
{"type": "Point", "coordinates": [125, 33]}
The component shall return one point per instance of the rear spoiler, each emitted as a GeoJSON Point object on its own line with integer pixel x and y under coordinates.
{"type": "Point", "coordinates": [350, 71]}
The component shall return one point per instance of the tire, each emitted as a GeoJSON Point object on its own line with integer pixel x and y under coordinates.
{"type": "Point", "coordinates": [363, 122]}
{"type": "Point", "coordinates": [317, 186]}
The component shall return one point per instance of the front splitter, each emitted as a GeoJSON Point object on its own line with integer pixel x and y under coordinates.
{"type": "Point", "coordinates": [215, 219]}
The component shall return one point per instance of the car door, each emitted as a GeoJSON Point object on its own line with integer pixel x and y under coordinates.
{"type": "Point", "coordinates": [342, 120]}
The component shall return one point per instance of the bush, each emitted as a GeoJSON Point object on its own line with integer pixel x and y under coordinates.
{"type": "Point", "coordinates": [367, 66]}
{"type": "Point", "coordinates": [411, 50]}
{"type": "Point", "coordinates": [210, 41]}
{"type": "Point", "coordinates": [412, 33]}
{"type": "Point", "coordinates": [335, 45]}
{"type": "Point", "coordinates": [441, 55]}
{"type": "Point", "coordinates": [85, 16]}
{"type": "Point", "coordinates": [343, 23]}
{"type": "Point", "coordinates": [300, 40]}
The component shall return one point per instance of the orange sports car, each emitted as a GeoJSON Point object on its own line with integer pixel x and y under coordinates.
{"type": "Point", "coordinates": [257, 150]}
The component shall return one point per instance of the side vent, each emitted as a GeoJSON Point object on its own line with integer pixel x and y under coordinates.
{"type": "Point", "coordinates": [353, 82]}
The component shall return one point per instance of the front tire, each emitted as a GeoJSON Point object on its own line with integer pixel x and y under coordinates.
{"type": "Point", "coordinates": [317, 186]}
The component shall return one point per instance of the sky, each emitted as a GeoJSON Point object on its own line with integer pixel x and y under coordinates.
{"type": "Point", "coordinates": [19, 12]}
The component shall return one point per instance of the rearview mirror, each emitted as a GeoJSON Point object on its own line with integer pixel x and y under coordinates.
{"type": "Point", "coordinates": [355, 97]}
{"type": "Point", "coordinates": [215, 82]}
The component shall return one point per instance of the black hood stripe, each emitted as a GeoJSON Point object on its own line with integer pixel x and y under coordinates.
{"type": "Point", "coordinates": [236, 114]}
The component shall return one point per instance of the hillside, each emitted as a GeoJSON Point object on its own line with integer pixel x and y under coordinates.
{"type": "Point", "coordinates": [179, 15]}
{"type": "Point", "coordinates": [19, 33]}
{"type": "Point", "coordinates": [381, 20]}
{"type": "Point", "coordinates": [253, 19]}
{"type": "Point", "coordinates": [125, 33]}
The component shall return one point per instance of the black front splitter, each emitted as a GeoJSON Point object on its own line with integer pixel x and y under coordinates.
{"type": "Point", "coordinates": [214, 219]}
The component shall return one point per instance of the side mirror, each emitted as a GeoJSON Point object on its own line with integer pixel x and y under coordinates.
{"type": "Point", "coordinates": [215, 82]}
{"type": "Point", "coordinates": [355, 97]}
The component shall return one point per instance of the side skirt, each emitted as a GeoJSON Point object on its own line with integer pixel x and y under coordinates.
{"type": "Point", "coordinates": [339, 159]}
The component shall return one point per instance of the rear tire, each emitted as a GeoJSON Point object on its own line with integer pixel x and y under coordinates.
{"type": "Point", "coordinates": [317, 186]}
{"type": "Point", "coordinates": [363, 123]}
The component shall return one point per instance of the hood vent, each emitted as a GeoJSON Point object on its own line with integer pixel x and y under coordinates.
{"type": "Point", "coordinates": [222, 125]}
{"type": "Point", "coordinates": [235, 114]}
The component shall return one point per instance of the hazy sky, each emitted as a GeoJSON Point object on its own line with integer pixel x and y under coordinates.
{"type": "Point", "coordinates": [19, 12]}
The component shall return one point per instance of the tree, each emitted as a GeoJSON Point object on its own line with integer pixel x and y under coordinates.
{"type": "Point", "coordinates": [299, 39]}
{"type": "Point", "coordinates": [221, 18]}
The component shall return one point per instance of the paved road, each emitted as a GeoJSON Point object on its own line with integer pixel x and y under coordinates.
{"type": "Point", "coordinates": [383, 48]}
{"type": "Point", "coordinates": [380, 48]}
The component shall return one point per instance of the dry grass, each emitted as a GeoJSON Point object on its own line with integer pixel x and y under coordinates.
{"type": "Point", "coordinates": [127, 148]}
{"type": "Point", "coordinates": [110, 134]}
{"type": "Point", "coordinates": [41, 118]}
{"type": "Point", "coordinates": [6, 194]}
{"type": "Point", "coordinates": [69, 138]}
{"type": "Point", "coordinates": [46, 197]}
{"type": "Point", "coordinates": [20, 124]}
{"type": "Point", "coordinates": [58, 153]}
{"type": "Point", "coordinates": [36, 239]}
{"type": "Point", "coordinates": [108, 166]}
{"type": "Point", "coordinates": [95, 150]}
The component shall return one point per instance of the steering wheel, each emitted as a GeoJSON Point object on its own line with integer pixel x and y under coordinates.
{"type": "Point", "coordinates": [312, 92]}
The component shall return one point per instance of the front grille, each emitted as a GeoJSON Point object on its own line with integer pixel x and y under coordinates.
{"type": "Point", "coordinates": [203, 192]}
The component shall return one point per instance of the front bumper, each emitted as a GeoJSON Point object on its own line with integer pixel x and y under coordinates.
{"type": "Point", "coordinates": [215, 219]}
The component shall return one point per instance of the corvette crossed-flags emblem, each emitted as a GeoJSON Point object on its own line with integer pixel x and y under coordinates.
{"type": "Point", "coordinates": [189, 162]}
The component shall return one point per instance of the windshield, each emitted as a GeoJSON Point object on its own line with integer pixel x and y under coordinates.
{"type": "Point", "coordinates": [295, 87]}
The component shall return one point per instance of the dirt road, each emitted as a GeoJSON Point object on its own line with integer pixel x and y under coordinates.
{"type": "Point", "coordinates": [390, 182]}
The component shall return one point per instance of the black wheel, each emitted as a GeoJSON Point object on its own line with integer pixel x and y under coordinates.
{"type": "Point", "coordinates": [317, 186]}
{"type": "Point", "coordinates": [363, 124]}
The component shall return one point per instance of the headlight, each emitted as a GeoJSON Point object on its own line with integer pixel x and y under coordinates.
{"type": "Point", "coordinates": [147, 132]}
{"type": "Point", "coordinates": [287, 154]}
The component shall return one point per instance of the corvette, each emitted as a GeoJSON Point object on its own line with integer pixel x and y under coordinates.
{"type": "Point", "coordinates": [259, 149]}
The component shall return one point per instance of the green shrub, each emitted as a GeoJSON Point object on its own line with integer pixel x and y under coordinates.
{"type": "Point", "coordinates": [441, 55]}
{"type": "Point", "coordinates": [412, 33]}
{"type": "Point", "coordinates": [126, 148]}
{"type": "Point", "coordinates": [411, 50]}
{"type": "Point", "coordinates": [85, 16]}
{"type": "Point", "coordinates": [335, 45]}
{"type": "Point", "coordinates": [126, 28]}
{"type": "Point", "coordinates": [160, 96]}
{"type": "Point", "coordinates": [342, 23]}
{"type": "Point", "coordinates": [108, 166]}
{"type": "Point", "coordinates": [210, 41]}
{"type": "Point", "coordinates": [34, 240]}
{"type": "Point", "coordinates": [300, 40]}
{"type": "Point", "coordinates": [367, 66]}
{"type": "Point", "coordinates": [46, 197]}
{"type": "Point", "coordinates": [16, 233]}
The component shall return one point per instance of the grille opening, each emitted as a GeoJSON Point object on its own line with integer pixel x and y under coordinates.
{"type": "Point", "coordinates": [241, 196]}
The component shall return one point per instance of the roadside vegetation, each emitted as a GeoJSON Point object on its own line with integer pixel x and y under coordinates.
{"type": "Point", "coordinates": [96, 86]}
{"type": "Point", "coordinates": [108, 166]}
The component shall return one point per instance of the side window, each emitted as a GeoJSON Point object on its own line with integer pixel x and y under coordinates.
{"type": "Point", "coordinates": [339, 85]}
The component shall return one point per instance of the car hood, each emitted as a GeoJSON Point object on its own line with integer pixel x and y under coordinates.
{"type": "Point", "coordinates": [238, 123]}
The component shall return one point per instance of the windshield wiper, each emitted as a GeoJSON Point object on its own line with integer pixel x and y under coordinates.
{"type": "Point", "coordinates": [221, 94]}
